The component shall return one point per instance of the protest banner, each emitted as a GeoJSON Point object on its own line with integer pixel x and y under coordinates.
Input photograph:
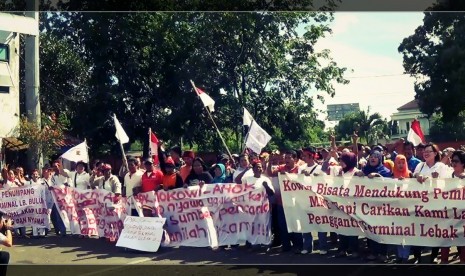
{"type": "Point", "coordinates": [90, 212]}
{"type": "Point", "coordinates": [25, 205]}
{"type": "Point", "coordinates": [142, 233]}
{"type": "Point", "coordinates": [214, 215]}
{"type": "Point", "coordinates": [385, 210]}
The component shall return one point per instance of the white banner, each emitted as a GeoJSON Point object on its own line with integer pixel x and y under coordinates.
{"type": "Point", "coordinates": [25, 205]}
{"type": "Point", "coordinates": [216, 215]}
{"type": "Point", "coordinates": [142, 233]}
{"type": "Point", "coordinates": [385, 210]}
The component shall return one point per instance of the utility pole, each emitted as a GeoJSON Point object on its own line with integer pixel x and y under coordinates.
{"type": "Point", "coordinates": [31, 48]}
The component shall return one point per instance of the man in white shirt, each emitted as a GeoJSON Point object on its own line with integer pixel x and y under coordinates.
{"type": "Point", "coordinates": [310, 167]}
{"type": "Point", "coordinates": [79, 178]}
{"type": "Point", "coordinates": [58, 181]}
{"type": "Point", "coordinates": [132, 183]}
{"type": "Point", "coordinates": [107, 182]}
{"type": "Point", "coordinates": [243, 170]}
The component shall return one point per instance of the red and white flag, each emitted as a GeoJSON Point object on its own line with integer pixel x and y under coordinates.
{"type": "Point", "coordinates": [415, 134]}
{"type": "Point", "coordinates": [153, 147]}
{"type": "Point", "coordinates": [207, 101]}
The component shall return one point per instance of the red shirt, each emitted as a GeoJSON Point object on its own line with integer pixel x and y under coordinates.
{"type": "Point", "coordinates": [150, 183]}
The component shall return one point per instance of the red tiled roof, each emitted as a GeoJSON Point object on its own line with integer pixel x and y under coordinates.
{"type": "Point", "coordinates": [410, 105]}
{"type": "Point", "coordinates": [15, 144]}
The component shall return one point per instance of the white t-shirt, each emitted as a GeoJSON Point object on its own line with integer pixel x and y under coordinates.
{"type": "Point", "coordinates": [12, 184]}
{"type": "Point", "coordinates": [132, 181]}
{"type": "Point", "coordinates": [335, 170]}
{"type": "Point", "coordinates": [3, 238]}
{"type": "Point", "coordinates": [81, 180]}
{"type": "Point", "coordinates": [59, 180]}
{"type": "Point", "coordinates": [252, 180]}
{"type": "Point", "coordinates": [36, 183]}
{"type": "Point", "coordinates": [442, 169]}
{"type": "Point", "coordinates": [240, 170]}
{"type": "Point", "coordinates": [312, 169]}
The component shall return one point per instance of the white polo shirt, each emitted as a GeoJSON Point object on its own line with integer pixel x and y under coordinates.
{"type": "Point", "coordinates": [240, 170]}
{"type": "Point", "coordinates": [78, 180]}
{"type": "Point", "coordinates": [312, 169]}
{"type": "Point", "coordinates": [258, 182]}
{"type": "Point", "coordinates": [132, 180]}
{"type": "Point", "coordinates": [59, 180]}
{"type": "Point", "coordinates": [442, 169]}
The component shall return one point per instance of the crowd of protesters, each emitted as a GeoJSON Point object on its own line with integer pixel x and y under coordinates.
{"type": "Point", "coordinates": [180, 169]}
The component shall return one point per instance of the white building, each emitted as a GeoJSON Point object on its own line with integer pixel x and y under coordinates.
{"type": "Point", "coordinates": [404, 117]}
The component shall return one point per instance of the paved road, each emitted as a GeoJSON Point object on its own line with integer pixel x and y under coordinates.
{"type": "Point", "coordinates": [77, 251]}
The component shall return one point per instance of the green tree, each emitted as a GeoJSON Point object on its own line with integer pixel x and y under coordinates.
{"type": "Point", "coordinates": [434, 55]}
{"type": "Point", "coordinates": [369, 127]}
{"type": "Point", "coordinates": [450, 130]}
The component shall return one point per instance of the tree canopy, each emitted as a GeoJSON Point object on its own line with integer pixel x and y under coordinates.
{"type": "Point", "coordinates": [138, 66]}
{"type": "Point", "coordinates": [434, 55]}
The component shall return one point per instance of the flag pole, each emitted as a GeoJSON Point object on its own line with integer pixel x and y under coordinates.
{"type": "Point", "coordinates": [247, 136]}
{"type": "Point", "coordinates": [87, 150]}
{"type": "Point", "coordinates": [125, 161]}
{"type": "Point", "coordinates": [216, 127]}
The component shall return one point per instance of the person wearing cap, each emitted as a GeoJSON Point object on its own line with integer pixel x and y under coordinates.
{"type": "Point", "coordinates": [188, 157]}
{"type": "Point", "coordinates": [152, 177]}
{"type": "Point", "coordinates": [171, 179]}
{"type": "Point", "coordinates": [132, 183]}
{"type": "Point", "coordinates": [107, 182]}
{"type": "Point", "coordinates": [79, 178]}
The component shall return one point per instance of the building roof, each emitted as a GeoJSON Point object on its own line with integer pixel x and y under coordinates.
{"type": "Point", "coordinates": [14, 144]}
{"type": "Point", "coordinates": [410, 105]}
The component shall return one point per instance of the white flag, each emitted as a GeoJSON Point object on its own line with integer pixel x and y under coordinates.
{"type": "Point", "coordinates": [77, 153]}
{"type": "Point", "coordinates": [207, 101]}
{"type": "Point", "coordinates": [257, 138]}
{"type": "Point", "coordinates": [247, 119]}
{"type": "Point", "coordinates": [120, 133]}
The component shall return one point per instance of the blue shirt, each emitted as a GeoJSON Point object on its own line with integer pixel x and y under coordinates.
{"type": "Point", "coordinates": [412, 163]}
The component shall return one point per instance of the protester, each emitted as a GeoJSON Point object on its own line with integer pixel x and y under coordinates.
{"type": "Point", "coordinates": [311, 168]}
{"type": "Point", "coordinates": [79, 178]}
{"type": "Point", "coordinates": [188, 157]}
{"type": "Point", "coordinates": [290, 166]}
{"type": "Point", "coordinates": [220, 174]}
{"type": "Point", "coordinates": [243, 169]}
{"type": "Point", "coordinates": [11, 181]}
{"type": "Point", "coordinates": [419, 151]}
{"type": "Point", "coordinates": [46, 180]}
{"type": "Point", "coordinates": [6, 239]}
{"type": "Point", "coordinates": [376, 168]}
{"type": "Point", "coordinates": [224, 159]}
{"type": "Point", "coordinates": [430, 168]}
{"type": "Point", "coordinates": [107, 182]}
{"type": "Point", "coordinates": [152, 177]}
{"type": "Point", "coordinates": [171, 179]}
{"type": "Point", "coordinates": [199, 174]}
{"type": "Point", "coordinates": [458, 165]}
{"type": "Point", "coordinates": [132, 184]}
{"type": "Point", "coordinates": [175, 153]}
{"type": "Point", "coordinates": [401, 171]}
{"type": "Point", "coordinates": [19, 174]}
{"type": "Point", "coordinates": [58, 181]}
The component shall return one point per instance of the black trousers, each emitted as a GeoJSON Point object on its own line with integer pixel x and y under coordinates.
{"type": "Point", "coordinates": [4, 260]}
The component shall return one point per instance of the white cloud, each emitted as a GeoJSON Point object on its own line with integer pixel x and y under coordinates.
{"type": "Point", "coordinates": [382, 94]}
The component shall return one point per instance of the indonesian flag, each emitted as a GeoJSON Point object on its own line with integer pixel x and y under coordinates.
{"type": "Point", "coordinates": [120, 133]}
{"type": "Point", "coordinates": [77, 153]}
{"type": "Point", "coordinates": [257, 138]}
{"type": "Point", "coordinates": [247, 118]}
{"type": "Point", "coordinates": [415, 135]}
{"type": "Point", "coordinates": [153, 147]}
{"type": "Point", "coordinates": [207, 101]}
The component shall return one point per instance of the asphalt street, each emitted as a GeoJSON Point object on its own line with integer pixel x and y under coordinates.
{"type": "Point", "coordinates": [84, 256]}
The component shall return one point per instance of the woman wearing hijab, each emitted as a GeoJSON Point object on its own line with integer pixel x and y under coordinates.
{"type": "Point", "coordinates": [347, 168]}
{"type": "Point", "coordinates": [199, 174]}
{"type": "Point", "coordinates": [401, 171]}
{"type": "Point", "coordinates": [375, 168]}
{"type": "Point", "coordinates": [220, 174]}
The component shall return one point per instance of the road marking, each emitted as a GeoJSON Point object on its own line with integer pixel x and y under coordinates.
{"type": "Point", "coordinates": [118, 266]}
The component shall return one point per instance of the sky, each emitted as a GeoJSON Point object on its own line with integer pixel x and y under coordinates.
{"type": "Point", "coordinates": [366, 43]}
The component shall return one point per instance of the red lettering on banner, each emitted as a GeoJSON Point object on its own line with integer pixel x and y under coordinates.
{"type": "Point", "coordinates": [318, 201]}
{"type": "Point", "coordinates": [437, 232]}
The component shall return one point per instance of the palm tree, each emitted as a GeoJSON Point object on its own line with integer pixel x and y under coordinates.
{"type": "Point", "coordinates": [370, 127]}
